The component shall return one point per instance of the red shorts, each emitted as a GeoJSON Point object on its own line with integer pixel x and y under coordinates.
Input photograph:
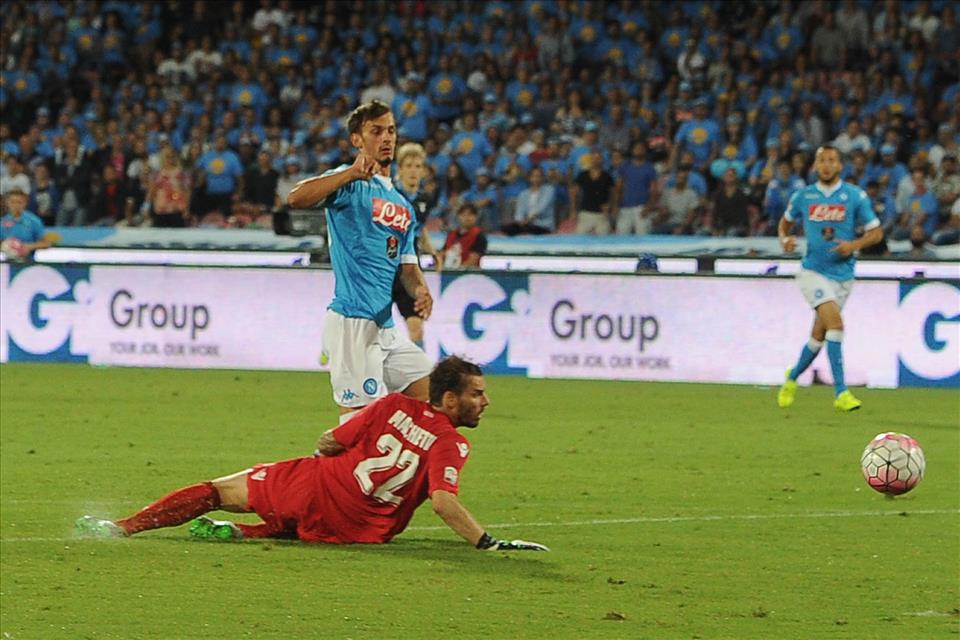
{"type": "Point", "coordinates": [302, 496]}
{"type": "Point", "coordinates": [284, 495]}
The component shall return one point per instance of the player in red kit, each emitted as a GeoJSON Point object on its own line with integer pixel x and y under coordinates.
{"type": "Point", "coordinates": [370, 475]}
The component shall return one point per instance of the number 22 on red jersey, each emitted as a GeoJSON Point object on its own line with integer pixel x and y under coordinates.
{"type": "Point", "coordinates": [395, 455]}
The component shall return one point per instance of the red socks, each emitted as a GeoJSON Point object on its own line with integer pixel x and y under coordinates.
{"type": "Point", "coordinates": [173, 509]}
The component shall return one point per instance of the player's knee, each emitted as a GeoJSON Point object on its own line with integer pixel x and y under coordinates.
{"type": "Point", "coordinates": [834, 323]}
{"type": "Point", "coordinates": [232, 491]}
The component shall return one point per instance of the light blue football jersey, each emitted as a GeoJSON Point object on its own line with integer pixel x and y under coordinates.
{"type": "Point", "coordinates": [827, 217]}
{"type": "Point", "coordinates": [370, 228]}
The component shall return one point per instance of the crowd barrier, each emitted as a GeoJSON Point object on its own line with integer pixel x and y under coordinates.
{"type": "Point", "coordinates": [248, 240]}
{"type": "Point", "coordinates": [626, 327]}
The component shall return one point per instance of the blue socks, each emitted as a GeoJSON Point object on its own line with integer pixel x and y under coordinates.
{"type": "Point", "coordinates": [810, 351]}
{"type": "Point", "coordinates": [419, 343]}
{"type": "Point", "coordinates": [835, 354]}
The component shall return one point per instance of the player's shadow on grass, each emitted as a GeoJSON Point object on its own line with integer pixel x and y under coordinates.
{"type": "Point", "coordinates": [528, 564]}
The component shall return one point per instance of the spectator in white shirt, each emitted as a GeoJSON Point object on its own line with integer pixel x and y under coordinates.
{"type": "Point", "coordinates": [176, 69]}
{"type": "Point", "coordinates": [946, 143]}
{"type": "Point", "coordinates": [535, 212]}
{"type": "Point", "coordinates": [924, 21]}
{"type": "Point", "coordinates": [14, 179]}
{"type": "Point", "coordinates": [268, 14]}
{"type": "Point", "coordinates": [206, 58]}
{"type": "Point", "coordinates": [851, 139]}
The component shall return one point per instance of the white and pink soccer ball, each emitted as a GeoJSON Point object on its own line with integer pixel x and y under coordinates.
{"type": "Point", "coordinates": [893, 463]}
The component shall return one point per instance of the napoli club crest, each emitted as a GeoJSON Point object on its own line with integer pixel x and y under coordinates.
{"type": "Point", "coordinates": [393, 247]}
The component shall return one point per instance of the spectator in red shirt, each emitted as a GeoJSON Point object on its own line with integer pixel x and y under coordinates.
{"type": "Point", "coordinates": [467, 243]}
{"type": "Point", "coordinates": [363, 485]}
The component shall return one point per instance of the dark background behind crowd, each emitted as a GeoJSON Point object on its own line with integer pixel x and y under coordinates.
{"type": "Point", "coordinates": [626, 117]}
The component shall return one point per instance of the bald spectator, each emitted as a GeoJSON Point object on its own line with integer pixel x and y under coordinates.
{"type": "Point", "coordinates": [679, 207]}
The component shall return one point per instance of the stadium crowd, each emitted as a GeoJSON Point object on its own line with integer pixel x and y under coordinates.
{"type": "Point", "coordinates": [628, 117]}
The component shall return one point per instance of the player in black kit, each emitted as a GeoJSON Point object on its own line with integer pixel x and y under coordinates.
{"type": "Point", "coordinates": [411, 168]}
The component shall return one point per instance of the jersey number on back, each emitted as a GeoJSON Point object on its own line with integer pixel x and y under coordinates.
{"type": "Point", "coordinates": [394, 456]}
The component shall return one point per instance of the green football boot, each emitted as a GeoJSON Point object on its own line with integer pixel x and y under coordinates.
{"type": "Point", "coordinates": [208, 529]}
{"type": "Point", "coordinates": [92, 527]}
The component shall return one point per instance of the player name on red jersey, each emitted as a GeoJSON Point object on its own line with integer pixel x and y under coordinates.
{"type": "Point", "coordinates": [827, 212]}
{"type": "Point", "coordinates": [415, 435]}
{"type": "Point", "coordinates": [391, 214]}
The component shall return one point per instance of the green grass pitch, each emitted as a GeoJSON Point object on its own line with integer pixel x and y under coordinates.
{"type": "Point", "coordinates": [673, 511]}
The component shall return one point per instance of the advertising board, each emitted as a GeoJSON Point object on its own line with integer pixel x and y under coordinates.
{"type": "Point", "coordinates": [624, 327]}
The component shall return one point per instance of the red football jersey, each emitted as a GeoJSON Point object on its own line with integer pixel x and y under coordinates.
{"type": "Point", "coordinates": [399, 451]}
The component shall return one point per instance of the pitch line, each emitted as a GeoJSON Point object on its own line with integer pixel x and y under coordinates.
{"type": "Point", "coordinates": [645, 520]}
{"type": "Point", "coordinates": [706, 518]}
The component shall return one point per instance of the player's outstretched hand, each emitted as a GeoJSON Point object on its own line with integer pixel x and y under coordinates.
{"type": "Point", "coordinates": [423, 303]}
{"type": "Point", "coordinates": [489, 543]}
{"type": "Point", "coordinates": [518, 545]}
{"type": "Point", "coordinates": [363, 167]}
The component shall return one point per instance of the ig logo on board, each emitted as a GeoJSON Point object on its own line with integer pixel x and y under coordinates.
{"type": "Point", "coordinates": [488, 331]}
{"type": "Point", "coordinates": [930, 344]}
{"type": "Point", "coordinates": [40, 307]}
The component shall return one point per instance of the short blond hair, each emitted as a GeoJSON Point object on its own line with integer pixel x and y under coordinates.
{"type": "Point", "coordinates": [410, 150]}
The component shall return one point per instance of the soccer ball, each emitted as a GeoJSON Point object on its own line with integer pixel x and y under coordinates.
{"type": "Point", "coordinates": [893, 463]}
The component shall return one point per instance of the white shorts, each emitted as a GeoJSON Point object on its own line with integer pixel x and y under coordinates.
{"type": "Point", "coordinates": [368, 362]}
{"type": "Point", "coordinates": [817, 288]}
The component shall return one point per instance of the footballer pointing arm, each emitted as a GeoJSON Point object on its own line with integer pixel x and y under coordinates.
{"type": "Point", "coordinates": [307, 193]}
